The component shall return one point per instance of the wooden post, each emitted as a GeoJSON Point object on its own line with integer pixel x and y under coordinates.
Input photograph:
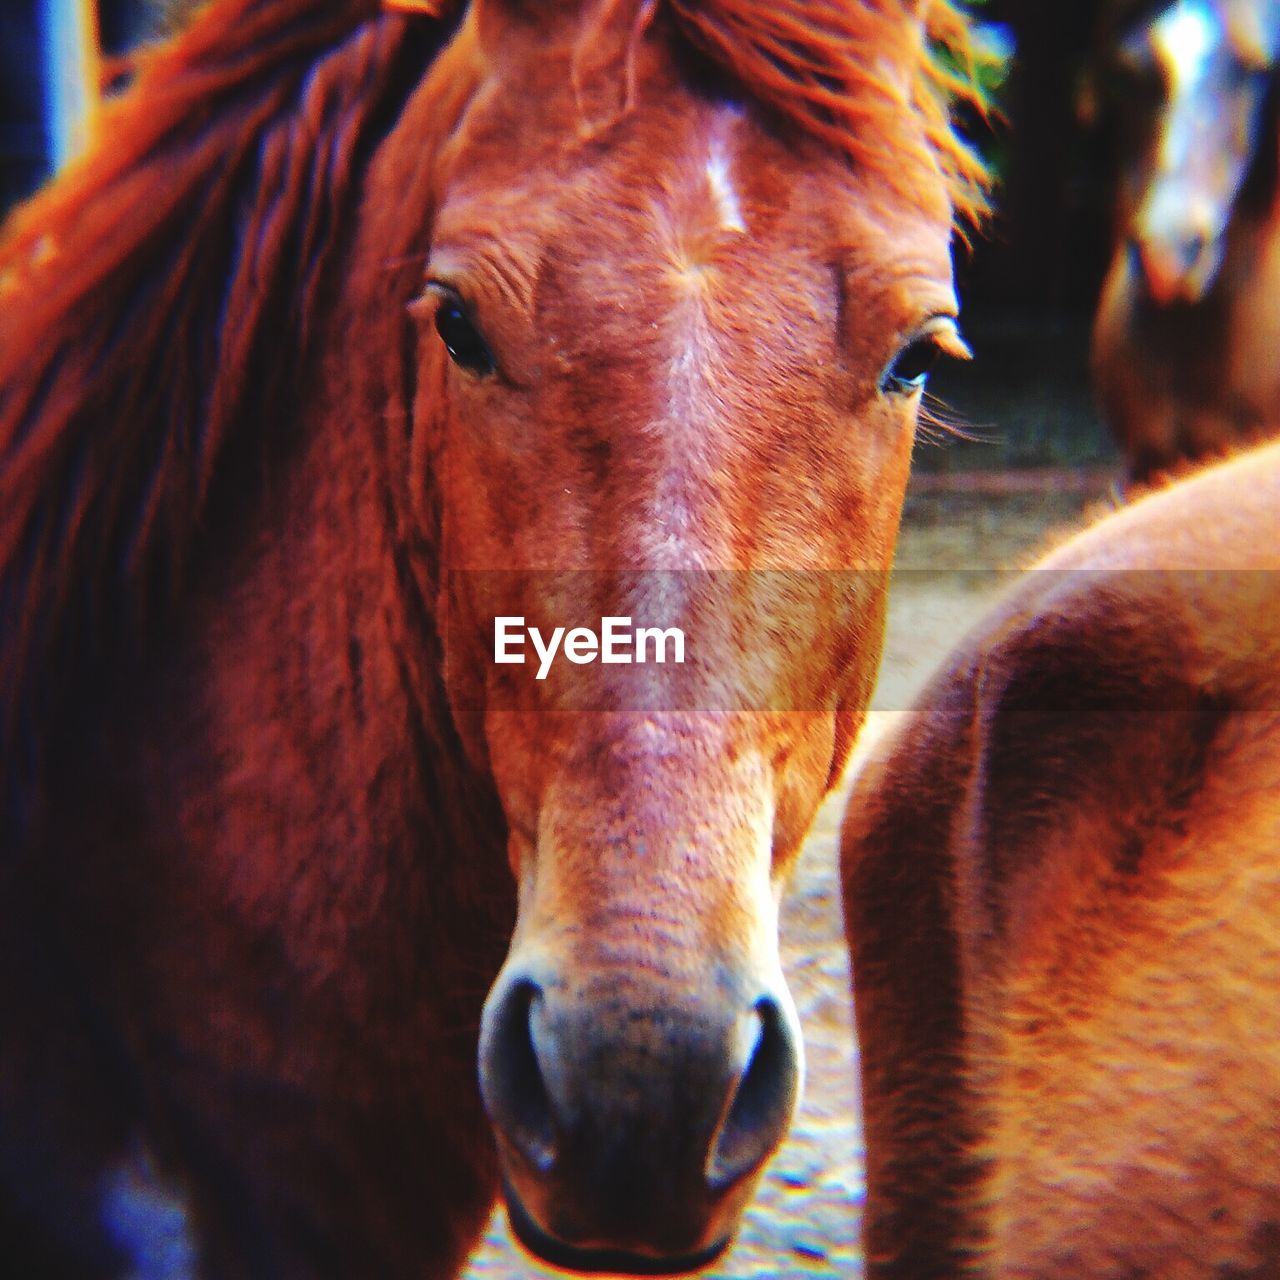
{"type": "Point", "coordinates": [72, 76]}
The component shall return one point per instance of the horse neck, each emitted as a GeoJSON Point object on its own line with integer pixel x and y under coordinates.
{"type": "Point", "coordinates": [287, 747]}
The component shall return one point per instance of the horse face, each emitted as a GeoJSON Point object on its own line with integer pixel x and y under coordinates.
{"type": "Point", "coordinates": [672, 360]}
{"type": "Point", "coordinates": [1194, 84]}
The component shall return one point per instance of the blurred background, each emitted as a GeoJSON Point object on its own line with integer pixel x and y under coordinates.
{"type": "Point", "coordinates": [48, 50]}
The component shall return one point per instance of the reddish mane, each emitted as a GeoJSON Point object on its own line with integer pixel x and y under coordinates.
{"type": "Point", "coordinates": [224, 190]}
{"type": "Point", "coordinates": [843, 71]}
{"type": "Point", "coordinates": [211, 220]}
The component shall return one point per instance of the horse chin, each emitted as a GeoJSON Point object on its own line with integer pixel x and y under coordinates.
{"type": "Point", "coordinates": [593, 1260]}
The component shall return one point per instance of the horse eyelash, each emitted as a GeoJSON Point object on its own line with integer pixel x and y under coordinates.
{"type": "Point", "coordinates": [937, 422]}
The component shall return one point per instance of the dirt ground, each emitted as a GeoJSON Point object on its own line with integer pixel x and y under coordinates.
{"type": "Point", "coordinates": [961, 540]}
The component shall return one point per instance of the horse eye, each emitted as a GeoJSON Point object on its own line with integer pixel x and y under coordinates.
{"type": "Point", "coordinates": [910, 370]}
{"type": "Point", "coordinates": [466, 348]}
{"type": "Point", "coordinates": [912, 365]}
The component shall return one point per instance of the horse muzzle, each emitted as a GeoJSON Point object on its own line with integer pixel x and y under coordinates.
{"type": "Point", "coordinates": [633, 1122]}
{"type": "Point", "coordinates": [1177, 268]}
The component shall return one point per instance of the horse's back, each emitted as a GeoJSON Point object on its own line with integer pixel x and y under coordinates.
{"type": "Point", "coordinates": [1095, 782]}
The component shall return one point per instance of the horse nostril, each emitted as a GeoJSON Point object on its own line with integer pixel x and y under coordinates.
{"type": "Point", "coordinates": [762, 1104]}
{"type": "Point", "coordinates": [511, 1084]}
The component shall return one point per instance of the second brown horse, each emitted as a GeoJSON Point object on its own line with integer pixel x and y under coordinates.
{"type": "Point", "coordinates": [1062, 883]}
{"type": "Point", "coordinates": [1187, 325]}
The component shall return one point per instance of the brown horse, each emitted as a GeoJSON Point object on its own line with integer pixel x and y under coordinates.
{"type": "Point", "coordinates": [1186, 327]}
{"type": "Point", "coordinates": [359, 333]}
{"type": "Point", "coordinates": [1062, 883]}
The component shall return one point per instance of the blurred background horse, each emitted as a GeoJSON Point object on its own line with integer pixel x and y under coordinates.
{"type": "Point", "coordinates": [1188, 320]}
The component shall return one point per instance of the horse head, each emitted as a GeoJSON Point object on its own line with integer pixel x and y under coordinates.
{"type": "Point", "coordinates": [671, 356]}
{"type": "Point", "coordinates": [1192, 88]}
{"type": "Point", "coordinates": [366, 350]}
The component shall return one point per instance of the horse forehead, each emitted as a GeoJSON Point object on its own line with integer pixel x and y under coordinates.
{"type": "Point", "coordinates": [723, 211]}
{"type": "Point", "coordinates": [703, 203]}
{"type": "Point", "coordinates": [711, 185]}
{"type": "Point", "coordinates": [1184, 40]}
{"type": "Point", "coordinates": [1189, 38]}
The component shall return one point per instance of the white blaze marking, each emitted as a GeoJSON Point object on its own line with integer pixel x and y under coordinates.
{"type": "Point", "coordinates": [722, 190]}
{"type": "Point", "coordinates": [689, 415]}
{"type": "Point", "coordinates": [1183, 39]}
